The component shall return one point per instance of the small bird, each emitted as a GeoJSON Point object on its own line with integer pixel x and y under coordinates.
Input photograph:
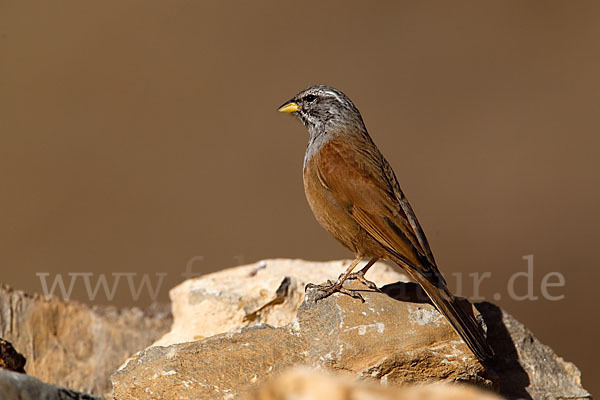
{"type": "Point", "coordinates": [354, 194]}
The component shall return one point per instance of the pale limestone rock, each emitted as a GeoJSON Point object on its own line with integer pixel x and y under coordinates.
{"type": "Point", "coordinates": [378, 340]}
{"type": "Point", "coordinates": [74, 345]}
{"type": "Point", "coordinates": [313, 384]}
{"type": "Point", "coordinates": [268, 292]}
{"type": "Point", "coordinates": [394, 337]}
{"type": "Point", "coordinates": [256, 323]}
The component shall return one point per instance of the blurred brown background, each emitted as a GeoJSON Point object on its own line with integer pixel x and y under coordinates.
{"type": "Point", "coordinates": [137, 135]}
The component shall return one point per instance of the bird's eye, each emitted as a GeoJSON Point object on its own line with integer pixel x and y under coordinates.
{"type": "Point", "coordinates": [310, 98]}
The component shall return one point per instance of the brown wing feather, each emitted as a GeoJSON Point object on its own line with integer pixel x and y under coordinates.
{"type": "Point", "coordinates": [374, 201]}
{"type": "Point", "coordinates": [408, 211]}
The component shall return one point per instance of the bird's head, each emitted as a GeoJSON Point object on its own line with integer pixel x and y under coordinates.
{"type": "Point", "coordinates": [323, 109]}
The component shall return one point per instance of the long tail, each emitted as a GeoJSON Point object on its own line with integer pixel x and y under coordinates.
{"type": "Point", "coordinates": [463, 323]}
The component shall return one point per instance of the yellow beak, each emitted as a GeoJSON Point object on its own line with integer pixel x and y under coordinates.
{"type": "Point", "coordinates": [289, 108]}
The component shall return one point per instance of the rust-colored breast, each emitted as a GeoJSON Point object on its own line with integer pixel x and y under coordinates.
{"type": "Point", "coordinates": [329, 213]}
{"type": "Point", "coordinates": [333, 214]}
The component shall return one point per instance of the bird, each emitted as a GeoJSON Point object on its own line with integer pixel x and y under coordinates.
{"type": "Point", "coordinates": [354, 194]}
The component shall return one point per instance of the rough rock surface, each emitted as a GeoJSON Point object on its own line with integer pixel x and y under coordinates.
{"type": "Point", "coordinates": [386, 339]}
{"type": "Point", "coordinates": [11, 359]}
{"type": "Point", "coordinates": [253, 323]}
{"type": "Point", "coordinates": [383, 339]}
{"type": "Point", "coordinates": [310, 384]}
{"type": "Point", "coordinates": [528, 368]}
{"type": "Point", "coordinates": [74, 345]}
{"type": "Point", "coordinates": [14, 385]}
{"type": "Point", "coordinates": [268, 292]}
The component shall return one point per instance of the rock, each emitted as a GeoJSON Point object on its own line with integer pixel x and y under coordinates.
{"type": "Point", "coordinates": [385, 339]}
{"type": "Point", "coordinates": [310, 384]}
{"type": "Point", "coordinates": [527, 368]}
{"type": "Point", "coordinates": [268, 292]}
{"type": "Point", "coordinates": [72, 344]}
{"type": "Point", "coordinates": [254, 323]}
{"type": "Point", "coordinates": [395, 342]}
{"type": "Point", "coordinates": [15, 385]}
{"type": "Point", "coordinates": [10, 359]}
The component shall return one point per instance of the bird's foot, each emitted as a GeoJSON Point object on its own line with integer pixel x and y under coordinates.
{"type": "Point", "coordinates": [360, 276]}
{"type": "Point", "coordinates": [331, 288]}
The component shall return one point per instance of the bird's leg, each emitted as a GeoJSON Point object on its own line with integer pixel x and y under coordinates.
{"type": "Point", "coordinates": [327, 290]}
{"type": "Point", "coordinates": [360, 275]}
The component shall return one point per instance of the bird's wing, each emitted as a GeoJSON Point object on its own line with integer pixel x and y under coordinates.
{"type": "Point", "coordinates": [371, 194]}
{"type": "Point", "coordinates": [408, 211]}
{"type": "Point", "coordinates": [364, 185]}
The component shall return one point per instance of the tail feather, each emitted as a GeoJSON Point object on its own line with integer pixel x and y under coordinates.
{"type": "Point", "coordinates": [463, 323]}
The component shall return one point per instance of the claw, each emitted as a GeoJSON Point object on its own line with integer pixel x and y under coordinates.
{"type": "Point", "coordinates": [328, 290]}
{"type": "Point", "coordinates": [311, 286]}
{"type": "Point", "coordinates": [352, 293]}
{"type": "Point", "coordinates": [331, 287]}
{"type": "Point", "coordinates": [361, 278]}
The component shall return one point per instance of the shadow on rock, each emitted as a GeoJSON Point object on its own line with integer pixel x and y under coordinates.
{"type": "Point", "coordinates": [513, 378]}
{"type": "Point", "coordinates": [505, 367]}
{"type": "Point", "coordinates": [406, 291]}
